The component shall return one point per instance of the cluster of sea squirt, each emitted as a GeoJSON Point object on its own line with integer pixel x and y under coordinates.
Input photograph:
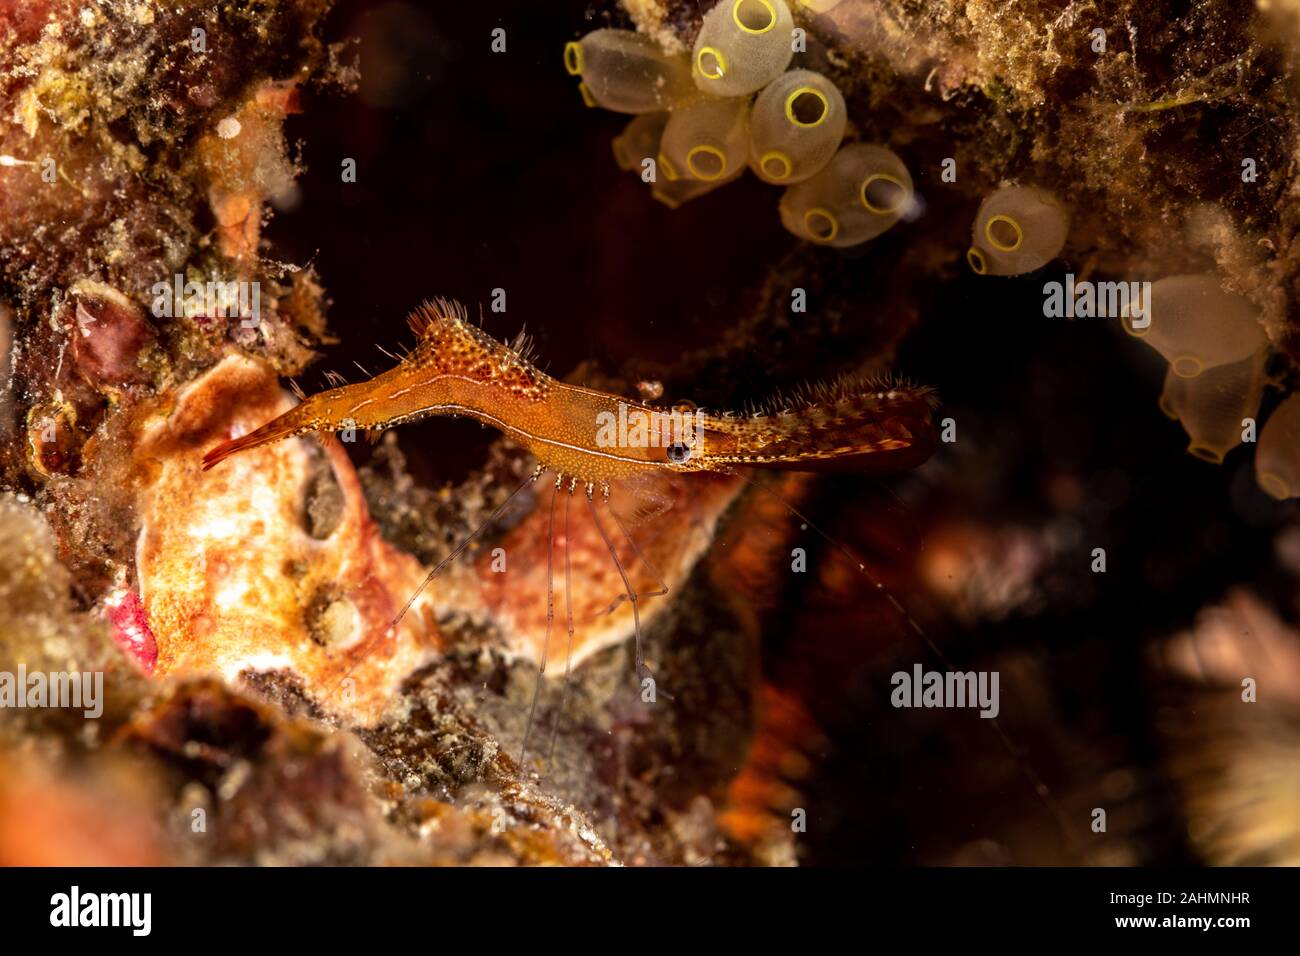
{"type": "Point", "coordinates": [733, 104]}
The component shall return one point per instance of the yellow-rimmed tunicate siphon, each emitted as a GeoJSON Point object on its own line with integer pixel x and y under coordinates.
{"type": "Point", "coordinates": [1196, 324]}
{"type": "Point", "coordinates": [1277, 456]}
{"type": "Point", "coordinates": [795, 127]}
{"type": "Point", "coordinates": [707, 141]}
{"type": "Point", "coordinates": [627, 72]}
{"type": "Point", "coordinates": [859, 194]}
{"type": "Point", "coordinates": [1017, 229]}
{"type": "Point", "coordinates": [1212, 406]}
{"type": "Point", "coordinates": [819, 6]}
{"type": "Point", "coordinates": [639, 141]}
{"type": "Point", "coordinates": [742, 46]}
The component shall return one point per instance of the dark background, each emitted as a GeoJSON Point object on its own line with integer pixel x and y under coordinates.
{"type": "Point", "coordinates": [479, 170]}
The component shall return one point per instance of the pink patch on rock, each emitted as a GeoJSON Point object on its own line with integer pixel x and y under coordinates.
{"type": "Point", "coordinates": [131, 628]}
{"type": "Point", "coordinates": [108, 336]}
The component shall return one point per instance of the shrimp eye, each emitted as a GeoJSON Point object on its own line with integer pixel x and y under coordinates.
{"type": "Point", "coordinates": [679, 453]}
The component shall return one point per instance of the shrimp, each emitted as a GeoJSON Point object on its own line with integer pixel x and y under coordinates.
{"type": "Point", "coordinates": [595, 437]}
{"type": "Point", "coordinates": [591, 438]}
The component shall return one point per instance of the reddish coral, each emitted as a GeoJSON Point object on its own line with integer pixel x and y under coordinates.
{"type": "Point", "coordinates": [108, 334]}
{"type": "Point", "coordinates": [131, 629]}
{"type": "Point", "coordinates": [271, 562]}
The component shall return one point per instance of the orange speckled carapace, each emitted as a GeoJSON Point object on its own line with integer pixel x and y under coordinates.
{"type": "Point", "coordinates": [593, 438]}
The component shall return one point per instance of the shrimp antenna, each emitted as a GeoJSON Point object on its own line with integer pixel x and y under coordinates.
{"type": "Point", "coordinates": [460, 548]}
{"type": "Point", "coordinates": [1039, 785]}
